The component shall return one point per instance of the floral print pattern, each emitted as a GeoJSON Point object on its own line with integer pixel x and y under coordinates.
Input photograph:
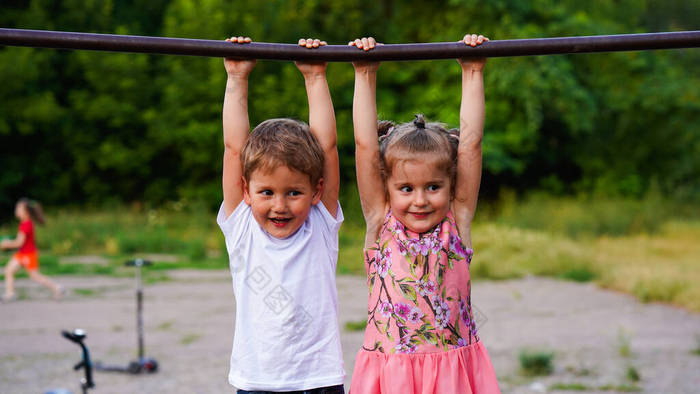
{"type": "Point", "coordinates": [419, 290]}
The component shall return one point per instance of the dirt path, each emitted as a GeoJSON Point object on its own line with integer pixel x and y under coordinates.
{"type": "Point", "coordinates": [189, 329]}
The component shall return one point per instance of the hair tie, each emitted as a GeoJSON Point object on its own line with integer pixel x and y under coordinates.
{"type": "Point", "coordinates": [452, 133]}
{"type": "Point", "coordinates": [419, 122]}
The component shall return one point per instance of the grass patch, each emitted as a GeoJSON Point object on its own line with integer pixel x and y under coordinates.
{"type": "Point", "coordinates": [623, 347]}
{"type": "Point", "coordinates": [180, 228]}
{"type": "Point", "coordinates": [582, 371]}
{"type": "Point", "coordinates": [626, 388]}
{"type": "Point", "coordinates": [658, 268]}
{"type": "Point", "coordinates": [155, 277]}
{"type": "Point", "coordinates": [696, 351]}
{"type": "Point", "coordinates": [350, 255]}
{"type": "Point", "coordinates": [84, 292]}
{"type": "Point", "coordinates": [205, 263]}
{"type": "Point", "coordinates": [356, 325]}
{"type": "Point", "coordinates": [575, 386]}
{"type": "Point", "coordinates": [504, 252]}
{"type": "Point", "coordinates": [632, 374]}
{"type": "Point", "coordinates": [648, 290]}
{"type": "Point", "coordinates": [190, 338]}
{"type": "Point", "coordinates": [570, 387]}
{"type": "Point", "coordinates": [536, 362]}
{"type": "Point", "coordinates": [578, 274]}
{"type": "Point", "coordinates": [21, 294]}
{"type": "Point", "coordinates": [661, 268]}
{"type": "Point", "coordinates": [584, 216]}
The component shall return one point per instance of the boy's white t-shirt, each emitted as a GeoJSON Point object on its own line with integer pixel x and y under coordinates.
{"type": "Point", "coordinates": [286, 334]}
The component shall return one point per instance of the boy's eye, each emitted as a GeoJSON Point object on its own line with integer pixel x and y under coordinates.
{"type": "Point", "coordinates": [266, 192]}
{"type": "Point", "coordinates": [294, 193]}
{"type": "Point", "coordinates": [406, 189]}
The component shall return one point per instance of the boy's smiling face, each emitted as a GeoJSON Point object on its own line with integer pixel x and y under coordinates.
{"type": "Point", "coordinates": [281, 199]}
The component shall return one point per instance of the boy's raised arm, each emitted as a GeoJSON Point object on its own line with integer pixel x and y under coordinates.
{"type": "Point", "coordinates": [322, 123]}
{"type": "Point", "coordinates": [236, 126]}
{"type": "Point", "coordinates": [471, 131]}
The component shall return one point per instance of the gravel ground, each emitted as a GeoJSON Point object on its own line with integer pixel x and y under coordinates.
{"type": "Point", "coordinates": [596, 336]}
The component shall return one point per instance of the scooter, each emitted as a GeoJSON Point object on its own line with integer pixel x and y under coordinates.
{"type": "Point", "coordinates": [77, 336]}
{"type": "Point", "coordinates": [143, 364]}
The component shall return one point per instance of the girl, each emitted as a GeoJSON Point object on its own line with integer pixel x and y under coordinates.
{"type": "Point", "coordinates": [418, 188]}
{"type": "Point", "coordinates": [27, 211]}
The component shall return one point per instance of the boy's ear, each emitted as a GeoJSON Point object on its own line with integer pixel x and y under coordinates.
{"type": "Point", "coordinates": [318, 193]}
{"type": "Point", "coordinates": [246, 194]}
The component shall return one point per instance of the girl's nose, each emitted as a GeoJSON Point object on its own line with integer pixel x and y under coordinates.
{"type": "Point", "coordinates": [419, 199]}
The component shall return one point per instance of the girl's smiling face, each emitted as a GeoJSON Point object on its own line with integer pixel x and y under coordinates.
{"type": "Point", "coordinates": [280, 199]}
{"type": "Point", "coordinates": [419, 193]}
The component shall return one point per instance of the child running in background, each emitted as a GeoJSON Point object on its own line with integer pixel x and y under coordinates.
{"type": "Point", "coordinates": [280, 218]}
{"type": "Point", "coordinates": [27, 211]}
{"type": "Point", "coordinates": [418, 187]}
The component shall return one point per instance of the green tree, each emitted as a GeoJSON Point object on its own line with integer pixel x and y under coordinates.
{"type": "Point", "coordinates": [80, 126]}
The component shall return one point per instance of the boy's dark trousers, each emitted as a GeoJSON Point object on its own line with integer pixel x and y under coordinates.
{"type": "Point", "coordinates": [339, 389]}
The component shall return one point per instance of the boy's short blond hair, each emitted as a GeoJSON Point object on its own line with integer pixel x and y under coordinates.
{"type": "Point", "coordinates": [283, 142]}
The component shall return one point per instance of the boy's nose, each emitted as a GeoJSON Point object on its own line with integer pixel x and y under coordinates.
{"type": "Point", "coordinates": [279, 204]}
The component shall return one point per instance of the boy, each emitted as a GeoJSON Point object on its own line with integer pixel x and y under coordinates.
{"type": "Point", "coordinates": [280, 217]}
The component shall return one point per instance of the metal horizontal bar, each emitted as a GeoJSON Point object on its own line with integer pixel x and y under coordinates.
{"type": "Point", "coordinates": [344, 53]}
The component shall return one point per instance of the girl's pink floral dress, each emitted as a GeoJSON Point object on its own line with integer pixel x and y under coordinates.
{"type": "Point", "coordinates": [421, 336]}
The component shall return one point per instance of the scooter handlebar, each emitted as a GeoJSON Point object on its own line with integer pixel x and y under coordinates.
{"type": "Point", "coordinates": [138, 262]}
{"type": "Point", "coordinates": [76, 336]}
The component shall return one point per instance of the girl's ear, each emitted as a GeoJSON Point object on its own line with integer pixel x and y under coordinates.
{"type": "Point", "coordinates": [246, 194]}
{"type": "Point", "coordinates": [318, 193]}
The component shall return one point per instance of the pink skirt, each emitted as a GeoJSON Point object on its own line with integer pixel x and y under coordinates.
{"type": "Point", "coordinates": [463, 370]}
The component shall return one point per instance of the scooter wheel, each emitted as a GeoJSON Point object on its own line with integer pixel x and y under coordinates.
{"type": "Point", "coordinates": [150, 365]}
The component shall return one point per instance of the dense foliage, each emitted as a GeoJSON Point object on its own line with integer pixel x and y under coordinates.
{"type": "Point", "coordinates": [86, 127]}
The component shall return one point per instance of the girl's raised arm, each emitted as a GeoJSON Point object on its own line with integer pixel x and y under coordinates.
{"type": "Point", "coordinates": [471, 131]}
{"type": "Point", "coordinates": [322, 124]}
{"type": "Point", "coordinates": [364, 117]}
{"type": "Point", "coordinates": [236, 126]}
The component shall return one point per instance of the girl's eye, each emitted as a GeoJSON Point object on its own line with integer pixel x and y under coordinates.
{"type": "Point", "coordinates": [406, 189]}
{"type": "Point", "coordinates": [433, 188]}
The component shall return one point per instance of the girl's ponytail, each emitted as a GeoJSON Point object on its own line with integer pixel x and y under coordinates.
{"type": "Point", "coordinates": [453, 137]}
{"type": "Point", "coordinates": [384, 127]}
{"type": "Point", "coordinates": [34, 209]}
{"type": "Point", "coordinates": [419, 122]}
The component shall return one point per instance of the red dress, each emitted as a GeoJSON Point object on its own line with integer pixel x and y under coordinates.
{"type": "Point", "coordinates": [27, 254]}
